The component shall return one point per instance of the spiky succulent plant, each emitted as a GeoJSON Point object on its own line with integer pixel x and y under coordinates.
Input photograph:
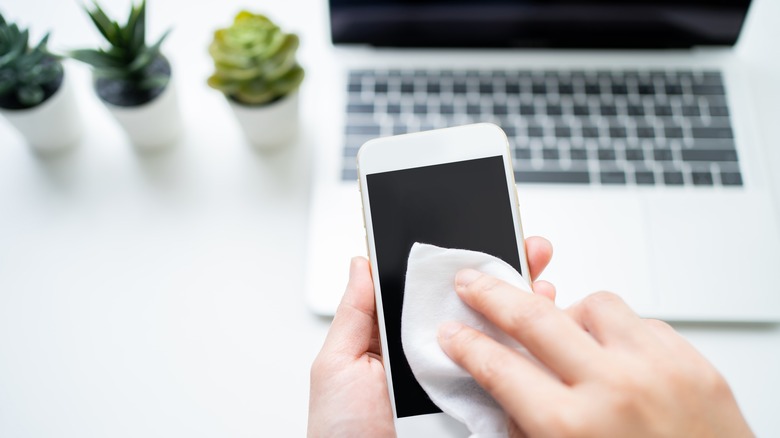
{"type": "Point", "coordinates": [254, 60]}
{"type": "Point", "coordinates": [28, 75]}
{"type": "Point", "coordinates": [130, 71]}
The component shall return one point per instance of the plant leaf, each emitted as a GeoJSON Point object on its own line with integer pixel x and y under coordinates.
{"type": "Point", "coordinates": [103, 23]}
{"type": "Point", "coordinates": [137, 28]}
{"type": "Point", "coordinates": [147, 55]}
{"type": "Point", "coordinates": [7, 81]}
{"type": "Point", "coordinates": [96, 58]}
{"type": "Point", "coordinates": [16, 50]}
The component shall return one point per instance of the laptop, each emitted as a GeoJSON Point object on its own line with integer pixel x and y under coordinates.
{"type": "Point", "coordinates": [630, 126]}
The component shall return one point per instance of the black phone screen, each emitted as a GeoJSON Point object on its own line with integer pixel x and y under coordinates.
{"type": "Point", "coordinates": [463, 205]}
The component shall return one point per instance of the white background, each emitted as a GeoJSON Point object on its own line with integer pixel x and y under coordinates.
{"type": "Point", "coordinates": [162, 295]}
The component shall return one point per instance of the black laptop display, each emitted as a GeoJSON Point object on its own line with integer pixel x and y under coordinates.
{"type": "Point", "coordinates": [541, 23]}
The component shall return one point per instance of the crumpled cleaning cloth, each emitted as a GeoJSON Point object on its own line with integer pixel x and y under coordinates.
{"type": "Point", "coordinates": [430, 300]}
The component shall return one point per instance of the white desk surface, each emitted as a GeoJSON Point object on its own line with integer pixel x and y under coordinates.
{"type": "Point", "coordinates": [162, 295]}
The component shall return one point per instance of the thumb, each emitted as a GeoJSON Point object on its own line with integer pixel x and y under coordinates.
{"type": "Point", "coordinates": [351, 330]}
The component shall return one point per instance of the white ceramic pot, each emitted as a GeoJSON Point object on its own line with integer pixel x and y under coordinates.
{"type": "Point", "coordinates": [269, 126]}
{"type": "Point", "coordinates": [153, 125]}
{"type": "Point", "coordinates": [53, 125]}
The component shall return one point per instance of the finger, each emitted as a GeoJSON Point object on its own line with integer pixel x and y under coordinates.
{"type": "Point", "coordinates": [609, 320]}
{"type": "Point", "coordinates": [355, 320]}
{"type": "Point", "coordinates": [545, 288]}
{"type": "Point", "coordinates": [539, 251]}
{"type": "Point", "coordinates": [516, 383]}
{"type": "Point", "coordinates": [547, 332]}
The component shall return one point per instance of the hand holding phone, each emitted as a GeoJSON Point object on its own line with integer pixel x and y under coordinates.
{"type": "Point", "coordinates": [349, 396]}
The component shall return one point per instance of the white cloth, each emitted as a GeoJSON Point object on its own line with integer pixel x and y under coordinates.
{"type": "Point", "coordinates": [429, 301]}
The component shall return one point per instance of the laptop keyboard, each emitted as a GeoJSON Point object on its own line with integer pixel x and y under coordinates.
{"type": "Point", "coordinates": [564, 127]}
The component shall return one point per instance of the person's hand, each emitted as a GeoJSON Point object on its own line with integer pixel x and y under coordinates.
{"type": "Point", "coordinates": [614, 374]}
{"type": "Point", "coordinates": [349, 396]}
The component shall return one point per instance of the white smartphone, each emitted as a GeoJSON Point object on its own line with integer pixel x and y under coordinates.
{"type": "Point", "coordinates": [452, 188]}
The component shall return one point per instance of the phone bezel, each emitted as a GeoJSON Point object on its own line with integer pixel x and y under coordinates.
{"type": "Point", "coordinates": [424, 149]}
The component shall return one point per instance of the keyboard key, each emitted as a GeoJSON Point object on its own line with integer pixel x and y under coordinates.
{"type": "Point", "coordinates": [349, 174]}
{"type": "Point", "coordinates": [608, 110]}
{"type": "Point", "coordinates": [708, 132]}
{"type": "Point", "coordinates": [606, 154]}
{"type": "Point", "coordinates": [578, 154]}
{"type": "Point", "coordinates": [512, 88]}
{"type": "Point", "coordinates": [509, 130]}
{"type": "Point", "coordinates": [550, 154]}
{"type": "Point", "coordinates": [673, 132]}
{"type": "Point", "coordinates": [550, 177]}
{"type": "Point", "coordinates": [562, 131]}
{"type": "Point", "coordinates": [673, 178]}
{"type": "Point", "coordinates": [593, 89]}
{"type": "Point", "coordinates": [614, 177]}
{"type": "Point", "coordinates": [719, 111]}
{"type": "Point", "coordinates": [617, 132]}
{"type": "Point", "coordinates": [673, 90]}
{"type": "Point", "coordinates": [663, 155]}
{"type": "Point", "coordinates": [590, 131]}
{"type": "Point", "coordinates": [718, 155]}
{"type": "Point", "coordinates": [708, 90]}
{"type": "Point", "coordinates": [619, 89]}
{"type": "Point", "coordinates": [527, 110]}
{"type": "Point", "coordinates": [727, 144]}
{"type": "Point", "coordinates": [691, 110]}
{"type": "Point", "coordinates": [362, 129]}
{"type": "Point", "coordinates": [731, 178]}
{"type": "Point", "coordinates": [535, 131]}
{"type": "Point", "coordinates": [645, 131]}
{"type": "Point", "coordinates": [663, 110]}
{"type": "Point", "coordinates": [635, 154]}
{"type": "Point", "coordinates": [565, 89]}
{"type": "Point", "coordinates": [702, 178]}
{"type": "Point", "coordinates": [523, 153]}
{"type": "Point", "coordinates": [644, 177]}
{"type": "Point", "coordinates": [636, 110]}
{"type": "Point", "coordinates": [499, 109]}
{"type": "Point", "coordinates": [646, 89]}
{"type": "Point", "coordinates": [360, 108]}
{"type": "Point", "coordinates": [581, 110]}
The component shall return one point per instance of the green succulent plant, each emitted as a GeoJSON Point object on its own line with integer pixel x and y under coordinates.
{"type": "Point", "coordinates": [28, 76]}
{"type": "Point", "coordinates": [254, 60]}
{"type": "Point", "coordinates": [128, 61]}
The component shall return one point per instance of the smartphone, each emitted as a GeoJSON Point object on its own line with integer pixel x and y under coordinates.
{"type": "Point", "coordinates": [453, 188]}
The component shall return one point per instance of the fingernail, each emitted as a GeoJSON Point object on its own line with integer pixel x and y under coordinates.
{"type": "Point", "coordinates": [449, 329]}
{"type": "Point", "coordinates": [465, 276]}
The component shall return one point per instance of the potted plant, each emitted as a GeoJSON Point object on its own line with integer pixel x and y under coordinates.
{"type": "Point", "coordinates": [133, 79]}
{"type": "Point", "coordinates": [256, 69]}
{"type": "Point", "coordinates": [35, 93]}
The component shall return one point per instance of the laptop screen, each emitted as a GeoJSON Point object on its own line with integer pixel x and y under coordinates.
{"type": "Point", "coordinates": [538, 23]}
